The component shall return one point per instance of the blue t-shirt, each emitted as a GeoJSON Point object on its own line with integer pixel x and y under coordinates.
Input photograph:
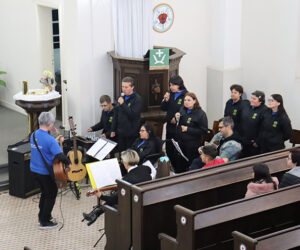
{"type": "Point", "coordinates": [49, 148]}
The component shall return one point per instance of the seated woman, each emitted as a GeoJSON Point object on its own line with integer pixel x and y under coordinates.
{"type": "Point", "coordinates": [135, 174]}
{"type": "Point", "coordinates": [146, 144]}
{"type": "Point", "coordinates": [208, 156]}
{"type": "Point", "coordinates": [263, 182]}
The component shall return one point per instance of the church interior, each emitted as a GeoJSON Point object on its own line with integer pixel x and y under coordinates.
{"type": "Point", "coordinates": [61, 56]}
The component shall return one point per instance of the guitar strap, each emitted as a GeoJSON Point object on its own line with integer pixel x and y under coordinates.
{"type": "Point", "coordinates": [50, 170]}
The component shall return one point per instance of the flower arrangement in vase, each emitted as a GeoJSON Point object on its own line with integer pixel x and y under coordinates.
{"type": "Point", "coordinates": [48, 81]}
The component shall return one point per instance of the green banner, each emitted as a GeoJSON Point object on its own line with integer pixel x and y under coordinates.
{"type": "Point", "coordinates": [159, 59]}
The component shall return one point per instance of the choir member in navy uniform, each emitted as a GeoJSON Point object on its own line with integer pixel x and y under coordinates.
{"type": "Point", "coordinates": [234, 105]}
{"type": "Point", "coordinates": [276, 126]}
{"type": "Point", "coordinates": [191, 128]}
{"type": "Point", "coordinates": [172, 102]}
{"type": "Point", "coordinates": [127, 118]}
{"type": "Point", "coordinates": [251, 122]}
{"type": "Point", "coordinates": [107, 117]}
{"type": "Point", "coordinates": [146, 144]}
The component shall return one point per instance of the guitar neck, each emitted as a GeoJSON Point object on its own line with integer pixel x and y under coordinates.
{"type": "Point", "coordinates": [75, 147]}
{"type": "Point", "coordinates": [107, 188]}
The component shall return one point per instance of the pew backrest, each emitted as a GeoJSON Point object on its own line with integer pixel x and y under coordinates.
{"type": "Point", "coordinates": [280, 240]}
{"type": "Point", "coordinates": [192, 225]}
{"type": "Point", "coordinates": [170, 188]}
{"type": "Point", "coordinates": [146, 197]}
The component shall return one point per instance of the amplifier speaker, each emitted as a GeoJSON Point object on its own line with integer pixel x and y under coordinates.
{"type": "Point", "coordinates": [21, 181]}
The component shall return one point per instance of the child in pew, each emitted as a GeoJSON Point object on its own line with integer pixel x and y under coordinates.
{"type": "Point", "coordinates": [208, 156]}
{"type": "Point", "coordinates": [262, 182]}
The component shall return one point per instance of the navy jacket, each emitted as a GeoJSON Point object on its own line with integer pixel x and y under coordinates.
{"type": "Point", "coordinates": [251, 122]}
{"type": "Point", "coordinates": [105, 123]}
{"type": "Point", "coordinates": [127, 117]}
{"type": "Point", "coordinates": [275, 130]}
{"type": "Point", "coordinates": [196, 121]}
{"type": "Point", "coordinates": [234, 110]}
{"type": "Point", "coordinates": [172, 106]}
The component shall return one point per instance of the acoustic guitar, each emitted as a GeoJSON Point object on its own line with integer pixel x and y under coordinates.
{"type": "Point", "coordinates": [78, 170]}
{"type": "Point", "coordinates": [107, 188]}
{"type": "Point", "coordinates": [59, 168]}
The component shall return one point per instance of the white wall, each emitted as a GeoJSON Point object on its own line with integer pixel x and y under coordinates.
{"type": "Point", "coordinates": [18, 48]}
{"type": "Point", "coordinates": [190, 33]}
{"type": "Point", "coordinates": [86, 36]}
{"type": "Point", "coordinates": [269, 50]}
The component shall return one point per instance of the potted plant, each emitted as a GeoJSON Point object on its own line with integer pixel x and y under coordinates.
{"type": "Point", "coordinates": [2, 83]}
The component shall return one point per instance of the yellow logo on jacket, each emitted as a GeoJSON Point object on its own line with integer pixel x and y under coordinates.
{"type": "Point", "coordinates": [129, 104]}
{"type": "Point", "coordinates": [189, 120]}
{"type": "Point", "coordinates": [275, 123]}
{"type": "Point", "coordinates": [234, 112]}
{"type": "Point", "coordinates": [110, 119]}
{"type": "Point", "coordinates": [179, 101]}
{"type": "Point", "coordinates": [254, 116]}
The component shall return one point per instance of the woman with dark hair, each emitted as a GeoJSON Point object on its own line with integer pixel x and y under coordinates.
{"type": "Point", "coordinates": [172, 102]}
{"type": "Point", "coordinates": [276, 126]}
{"type": "Point", "coordinates": [191, 128]}
{"type": "Point", "coordinates": [251, 120]}
{"type": "Point", "coordinates": [262, 182]}
{"type": "Point", "coordinates": [145, 145]}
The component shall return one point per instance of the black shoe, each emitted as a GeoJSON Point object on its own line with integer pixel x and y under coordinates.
{"type": "Point", "coordinates": [94, 216]}
{"type": "Point", "coordinates": [48, 225]}
{"type": "Point", "coordinates": [90, 216]}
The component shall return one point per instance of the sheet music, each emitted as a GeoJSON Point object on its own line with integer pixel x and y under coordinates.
{"type": "Point", "coordinates": [153, 170]}
{"type": "Point", "coordinates": [101, 148]}
{"type": "Point", "coordinates": [176, 145]}
{"type": "Point", "coordinates": [104, 173]}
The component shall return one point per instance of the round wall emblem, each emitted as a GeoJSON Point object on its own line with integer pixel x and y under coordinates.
{"type": "Point", "coordinates": [163, 17]}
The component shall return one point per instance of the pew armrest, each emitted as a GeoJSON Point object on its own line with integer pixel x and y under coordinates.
{"type": "Point", "coordinates": [167, 242]}
{"type": "Point", "coordinates": [242, 239]}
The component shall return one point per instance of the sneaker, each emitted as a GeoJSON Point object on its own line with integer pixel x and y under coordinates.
{"type": "Point", "coordinates": [49, 225]}
{"type": "Point", "coordinates": [51, 219]}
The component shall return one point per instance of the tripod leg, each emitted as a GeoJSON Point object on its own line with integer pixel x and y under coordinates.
{"type": "Point", "coordinates": [99, 240]}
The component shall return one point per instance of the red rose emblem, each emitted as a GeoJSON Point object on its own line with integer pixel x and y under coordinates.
{"type": "Point", "coordinates": [162, 18]}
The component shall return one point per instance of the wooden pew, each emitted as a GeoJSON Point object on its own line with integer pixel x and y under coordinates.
{"type": "Point", "coordinates": [200, 188]}
{"type": "Point", "coordinates": [211, 228]}
{"type": "Point", "coordinates": [152, 203]}
{"type": "Point", "coordinates": [280, 240]}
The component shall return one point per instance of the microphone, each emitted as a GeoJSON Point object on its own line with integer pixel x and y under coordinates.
{"type": "Point", "coordinates": [164, 99]}
{"type": "Point", "coordinates": [122, 95]}
{"type": "Point", "coordinates": [177, 117]}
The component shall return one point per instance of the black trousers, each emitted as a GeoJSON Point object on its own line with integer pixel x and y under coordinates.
{"type": "Point", "coordinates": [171, 151]}
{"type": "Point", "coordinates": [125, 142]}
{"type": "Point", "coordinates": [48, 196]}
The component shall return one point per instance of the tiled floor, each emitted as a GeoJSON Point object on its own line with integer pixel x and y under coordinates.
{"type": "Point", "coordinates": [19, 226]}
